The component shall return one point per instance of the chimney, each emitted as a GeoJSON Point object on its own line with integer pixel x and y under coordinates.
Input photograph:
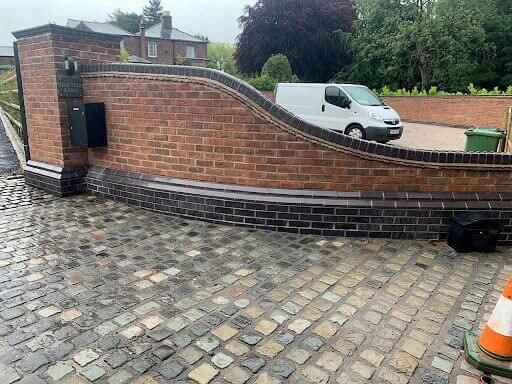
{"type": "Point", "coordinates": [143, 45]}
{"type": "Point", "coordinates": [166, 25]}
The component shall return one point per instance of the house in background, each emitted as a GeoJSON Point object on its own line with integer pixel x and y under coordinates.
{"type": "Point", "coordinates": [6, 55]}
{"type": "Point", "coordinates": [160, 44]}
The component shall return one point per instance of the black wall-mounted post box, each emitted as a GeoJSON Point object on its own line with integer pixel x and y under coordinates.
{"type": "Point", "coordinates": [474, 232]}
{"type": "Point", "coordinates": [88, 125]}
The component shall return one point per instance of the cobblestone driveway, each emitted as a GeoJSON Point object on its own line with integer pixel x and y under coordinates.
{"type": "Point", "coordinates": [98, 291]}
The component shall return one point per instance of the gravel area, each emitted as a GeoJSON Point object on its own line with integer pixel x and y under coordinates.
{"type": "Point", "coordinates": [433, 137]}
{"type": "Point", "coordinates": [8, 159]}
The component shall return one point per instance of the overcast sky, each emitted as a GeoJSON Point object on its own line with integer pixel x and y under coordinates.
{"type": "Point", "coordinates": [216, 19]}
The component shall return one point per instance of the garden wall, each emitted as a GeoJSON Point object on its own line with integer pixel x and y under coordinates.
{"type": "Point", "coordinates": [461, 111]}
{"type": "Point", "coordinates": [202, 144]}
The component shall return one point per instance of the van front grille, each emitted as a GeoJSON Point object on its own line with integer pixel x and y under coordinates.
{"type": "Point", "coordinates": [392, 122]}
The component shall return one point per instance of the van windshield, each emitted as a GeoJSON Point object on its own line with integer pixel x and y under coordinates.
{"type": "Point", "coordinates": [363, 96]}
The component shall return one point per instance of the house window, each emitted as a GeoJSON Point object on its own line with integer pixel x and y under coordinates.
{"type": "Point", "coordinates": [191, 52]}
{"type": "Point", "coordinates": [152, 49]}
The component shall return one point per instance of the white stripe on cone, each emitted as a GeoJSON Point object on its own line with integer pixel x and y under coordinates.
{"type": "Point", "coordinates": [501, 318]}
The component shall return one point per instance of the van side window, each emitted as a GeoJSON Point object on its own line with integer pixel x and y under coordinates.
{"type": "Point", "coordinates": [335, 96]}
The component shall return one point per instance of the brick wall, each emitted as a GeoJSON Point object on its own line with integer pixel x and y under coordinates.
{"type": "Point", "coordinates": [165, 51]}
{"type": "Point", "coordinates": [42, 56]}
{"type": "Point", "coordinates": [180, 48]}
{"type": "Point", "coordinates": [464, 111]}
{"type": "Point", "coordinates": [178, 128]}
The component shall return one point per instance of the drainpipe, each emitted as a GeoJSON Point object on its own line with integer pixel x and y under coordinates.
{"type": "Point", "coordinates": [143, 46]}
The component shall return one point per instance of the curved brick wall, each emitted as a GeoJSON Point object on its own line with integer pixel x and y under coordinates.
{"type": "Point", "coordinates": [204, 145]}
{"type": "Point", "coordinates": [200, 124]}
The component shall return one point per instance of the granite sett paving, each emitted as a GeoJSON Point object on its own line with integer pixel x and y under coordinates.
{"type": "Point", "coordinates": [94, 291]}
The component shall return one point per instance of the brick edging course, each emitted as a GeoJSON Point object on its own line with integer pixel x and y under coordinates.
{"type": "Point", "coordinates": [271, 111]}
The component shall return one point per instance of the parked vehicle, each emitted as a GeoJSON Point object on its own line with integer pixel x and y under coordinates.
{"type": "Point", "coordinates": [348, 108]}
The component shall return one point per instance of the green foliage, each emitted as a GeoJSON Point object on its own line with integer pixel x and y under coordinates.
{"type": "Point", "coordinates": [439, 43]}
{"type": "Point", "coordinates": [129, 21]}
{"type": "Point", "coordinates": [125, 56]}
{"type": "Point", "coordinates": [153, 13]}
{"type": "Point", "coordinates": [434, 91]}
{"type": "Point", "coordinates": [202, 37]}
{"type": "Point", "coordinates": [302, 30]}
{"type": "Point", "coordinates": [6, 68]}
{"type": "Point", "coordinates": [221, 57]}
{"type": "Point", "coordinates": [278, 68]}
{"type": "Point", "coordinates": [10, 96]}
{"type": "Point", "coordinates": [263, 83]}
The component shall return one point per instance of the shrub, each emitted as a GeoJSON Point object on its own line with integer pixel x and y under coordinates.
{"type": "Point", "coordinates": [263, 83]}
{"type": "Point", "coordinates": [434, 91]}
{"type": "Point", "coordinates": [278, 68]}
{"type": "Point", "coordinates": [125, 56]}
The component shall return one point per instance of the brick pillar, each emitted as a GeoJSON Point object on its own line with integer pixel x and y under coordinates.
{"type": "Point", "coordinates": [56, 165]}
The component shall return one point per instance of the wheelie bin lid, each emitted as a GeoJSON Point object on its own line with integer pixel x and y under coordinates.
{"type": "Point", "coordinates": [485, 131]}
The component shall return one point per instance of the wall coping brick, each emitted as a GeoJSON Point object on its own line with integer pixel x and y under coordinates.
{"type": "Point", "coordinates": [289, 122]}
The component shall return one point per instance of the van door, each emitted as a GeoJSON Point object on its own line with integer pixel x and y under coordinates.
{"type": "Point", "coordinates": [335, 113]}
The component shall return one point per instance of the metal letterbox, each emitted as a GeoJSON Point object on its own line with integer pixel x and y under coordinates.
{"type": "Point", "coordinates": [473, 232]}
{"type": "Point", "coordinates": [87, 125]}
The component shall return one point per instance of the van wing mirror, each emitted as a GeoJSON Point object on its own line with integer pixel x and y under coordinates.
{"type": "Point", "coordinates": [346, 102]}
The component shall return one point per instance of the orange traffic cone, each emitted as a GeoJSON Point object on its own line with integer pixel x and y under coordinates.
{"type": "Point", "coordinates": [496, 339]}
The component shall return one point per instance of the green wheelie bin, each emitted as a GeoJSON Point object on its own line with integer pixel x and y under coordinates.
{"type": "Point", "coordinates": [483, 139]}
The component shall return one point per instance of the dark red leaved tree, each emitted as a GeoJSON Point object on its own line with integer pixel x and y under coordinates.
{"type": "Point", "coordinates": [303, 30]}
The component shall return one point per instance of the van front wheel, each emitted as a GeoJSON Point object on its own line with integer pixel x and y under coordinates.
{"type": "Point", "coordinates": [356, 131]}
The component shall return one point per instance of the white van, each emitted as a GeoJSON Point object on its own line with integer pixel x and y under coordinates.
{"type": "Point", "coordinates": [348, 108]}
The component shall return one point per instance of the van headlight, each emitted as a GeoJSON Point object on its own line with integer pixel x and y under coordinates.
{"type": "Point", "coordinates": [376, 116]}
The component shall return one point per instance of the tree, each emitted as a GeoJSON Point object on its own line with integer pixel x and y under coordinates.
{"type": "Point", "coordinates": [221, 57]}
{"type": "Point", "coordinates": [278, 68]}
{"type": "Point", "coordinates": [405, 42]}
{"type": "Point", "coordinates": [128, 21]}
{"type": "Point", "coordinates": [153, 13]}
{"type": "Point", "coordinates": [303, 30]}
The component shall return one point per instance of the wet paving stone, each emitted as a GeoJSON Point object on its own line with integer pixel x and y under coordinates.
{"type": "Point", "coordinates": [93, 291]}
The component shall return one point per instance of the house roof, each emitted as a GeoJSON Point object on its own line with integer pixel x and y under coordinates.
{"type": "Point", "coordinates": [156, 32]}
{"type": "Point", "coordinates": [138, 60]}
{"type": "Point", "coordinates": [6, 51]}
{"type": "Point", "coordinates": [99, 27]}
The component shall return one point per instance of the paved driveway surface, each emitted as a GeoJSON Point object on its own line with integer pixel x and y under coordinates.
{"type": "Point", "coordinates": [97, 291]}
{"type": "Point", "coordinates": [8, 159]}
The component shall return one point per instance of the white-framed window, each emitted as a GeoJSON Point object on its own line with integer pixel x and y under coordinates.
{"type": "Point", "coordinates": [191, 52]}
{"type": "Point", "coordinates": [152, 49]}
